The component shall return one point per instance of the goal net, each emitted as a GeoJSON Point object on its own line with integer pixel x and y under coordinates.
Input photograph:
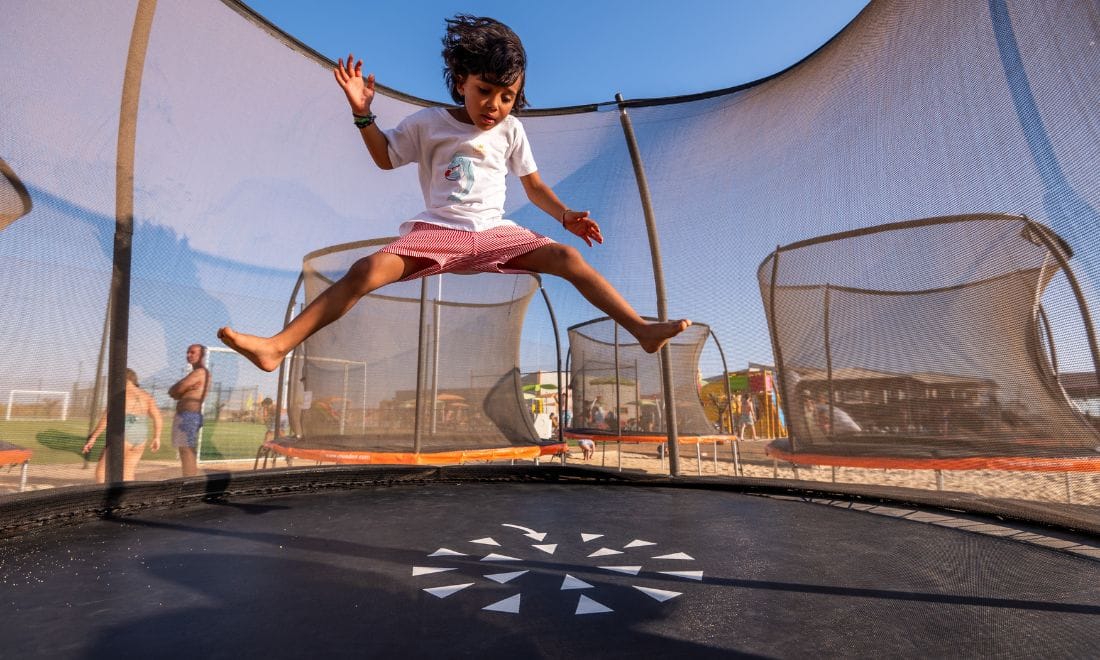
{"type": "Point", "coordinates": [37, 404]}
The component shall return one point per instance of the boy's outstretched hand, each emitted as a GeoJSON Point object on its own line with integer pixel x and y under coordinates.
{"type": "Point", "coordinates": [578, 222]}
{"type": "Point", "coordinates": [360, 92]}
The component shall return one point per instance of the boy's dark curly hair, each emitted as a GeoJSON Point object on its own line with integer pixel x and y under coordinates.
{"type": "Point", "coordinates": [486, 47]}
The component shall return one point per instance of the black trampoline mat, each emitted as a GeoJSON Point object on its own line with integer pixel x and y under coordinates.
{"type": "Point", "coordinates": [345, 573]}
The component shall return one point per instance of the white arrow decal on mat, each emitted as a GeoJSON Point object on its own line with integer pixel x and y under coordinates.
{"type": "Point", "coordinates": [530, 533]}
{"type": "Point", "coordinates": [688, 575]}
{"type": "Point", "coordinates": [605, 551]}
{"type": "Point", "coordinates": [495, 557]}
{"type": "Point", "coordinates": [571, 582]}
{"type": "Point", "coordinates": [445, 552]}
{"type": "Point", "coordinates": [629, 570]}
{"type": "Point", "coordinates": [505, 577]}
{"type": "Point", "coordinates": [509, 605]}
{"type": "Point", "coordinates": [443, 592]}
{"type": "Point", "coordinates": [427, 570]}
{"type": "Point", "coordinates": [588, 606]}
{"type": "Point", "coordinates": [659, 595]}
{"type": "Point", "coordinates": [677, 555]}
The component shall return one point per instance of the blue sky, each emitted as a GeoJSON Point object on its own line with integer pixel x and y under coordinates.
{"type": "Point", "coordinates": [579, 51]}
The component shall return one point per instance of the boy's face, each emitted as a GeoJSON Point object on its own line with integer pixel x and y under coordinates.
{"type": "Point", "coordinates": [487, 104]}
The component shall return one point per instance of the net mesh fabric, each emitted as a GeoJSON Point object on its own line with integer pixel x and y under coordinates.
{"type": "Point", "coordinates": [611, 373]}
{"type": "Point", "coordinates": [354, 384]}
{"type": "Point", "coordinates": [933, 350]}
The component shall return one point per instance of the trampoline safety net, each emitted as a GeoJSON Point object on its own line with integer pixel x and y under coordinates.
{"type": "Point", "coordinates": [961, 341]}
{"type": "Point", "coordinates": [420, 367]}
{"type": "Point", "coordinates": [617, 387]}
{"type": "Point", "coordinates": [923, 339]}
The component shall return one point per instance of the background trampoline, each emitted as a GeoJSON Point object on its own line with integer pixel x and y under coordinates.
{"type": "Point", "coordinates": [621, 394]}
{"type": "Point", "coordinates": [146, 203]}
{"type": "Point", "coordinates": [896, 368]}
{"type": "Point", "coordinates": [421, 372]}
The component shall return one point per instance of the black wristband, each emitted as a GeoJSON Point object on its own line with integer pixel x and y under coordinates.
{"type": "Point", "coordinates": [362, 121]}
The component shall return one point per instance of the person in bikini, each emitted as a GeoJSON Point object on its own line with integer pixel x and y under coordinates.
{"type": "Point", "coordinates": [141, 409]}
{"type": "Point", "coordinates": [463, 154]}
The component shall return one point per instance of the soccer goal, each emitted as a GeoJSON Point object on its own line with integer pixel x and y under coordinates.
{"type": "Point", "coordinates": [37, 404]}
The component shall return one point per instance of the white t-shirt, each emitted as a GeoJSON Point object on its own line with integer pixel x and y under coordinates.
{"type": "Point", "coordinates": [462, 168]}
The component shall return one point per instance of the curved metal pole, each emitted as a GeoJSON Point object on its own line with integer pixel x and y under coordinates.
{"type": "Point", "coordinates": [1090, 331]}
{"type": "Point", "coordinates": [282, 365]}
{"type": "Point", "coordinates": [729, 407]}
{"type": "Point", "coordinates": [566, 397]}
{"type": "Point", "coordinates": [421, 365]}
{"type": "Point", "coordinates": [1042, 314]}
{"type": "Point", "coordinates": [829, 360]}
{"type": "Point", "coordinates": [780, 368]}
{"type": "Point", "coordinates": [124, 232]}
{"type": "Point", "coordinates": [557, 353]}
{"type": "Point", "coordinates": [436, 313]}
{"type": "Point", "coordinates": [726, 374]}
{"type": "Point", "coordinates": [618, 386]}
{"type": "Point", "coordinates": [658, 282]}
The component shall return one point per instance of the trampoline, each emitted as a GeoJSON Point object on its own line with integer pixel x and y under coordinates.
{"type": "Point", "coordinates": [499, 562]}
{"type": "Point", "coordinates": [913, 110]}
{"type": "Point", "coordinates": [14, 455]}
{"type": "Point", "coordinates": [423, 372]}
{"type": "Point", "coordinates": [944, 362]}
{"type": "Point", "coordinates": [610, 372]}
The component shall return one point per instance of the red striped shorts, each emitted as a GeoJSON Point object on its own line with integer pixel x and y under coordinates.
{"type": "Point", "coordinates": [458, 251]}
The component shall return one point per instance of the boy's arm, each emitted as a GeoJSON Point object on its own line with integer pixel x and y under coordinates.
{"type": "Point", "coordinates": [576, 222]}
{"type": "Point", "coordinates": [360, 93]}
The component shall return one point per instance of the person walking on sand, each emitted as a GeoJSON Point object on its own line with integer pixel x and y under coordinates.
{"type": "Point", "coordinates": [748, 416]}
{"type": "Point", "coordinates": [189, 393]}
{"type": "Point", "coordinates": [141, 409]}
{"type": "Point", "coordinates": [463, 154]}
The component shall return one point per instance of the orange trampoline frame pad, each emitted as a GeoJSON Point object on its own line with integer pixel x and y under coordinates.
{"type": "Point", "coordinates": [411, 458]}
{"type": "Point", "coordinates": [14, 456]}
{"type": "Point", "coordinates": [1004, 463]}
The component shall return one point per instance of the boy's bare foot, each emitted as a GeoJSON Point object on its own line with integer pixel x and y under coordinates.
{"type": "Point", "coordinates": [652, 336]}
{"type": "Point", "coordinates": [259, 350]}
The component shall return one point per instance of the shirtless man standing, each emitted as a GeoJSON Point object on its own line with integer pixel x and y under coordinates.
{"type": "Point", "coordinates": [189, 394]}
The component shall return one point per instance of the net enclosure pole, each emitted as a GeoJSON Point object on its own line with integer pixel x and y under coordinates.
{"type": "Point", "coordinates": [280, 398]}
{"type": "Point", "coordinates": [781, 369]}
{"type": "Point", "coordinates": [829, 361]}
{"type": "Point", "coordinates": [1056, 249]}
{"type": "Point", "coordinates": [658, 283]}
{"type": "Point", "coordinates": [124, 233]}
{"type": "Point", "coordinates": [421, 366]}
{"type": "Point", "coordinates": [435, 352]}
{"type": "Point", "coordinates": [557, 354]}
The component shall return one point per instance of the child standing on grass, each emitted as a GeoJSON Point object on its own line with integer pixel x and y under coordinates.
{"type": "Point", "coordinates": [463, 154]}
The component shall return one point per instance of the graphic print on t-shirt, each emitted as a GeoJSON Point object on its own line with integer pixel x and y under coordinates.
{"type": "Point", "coordinates": [461, 170]}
